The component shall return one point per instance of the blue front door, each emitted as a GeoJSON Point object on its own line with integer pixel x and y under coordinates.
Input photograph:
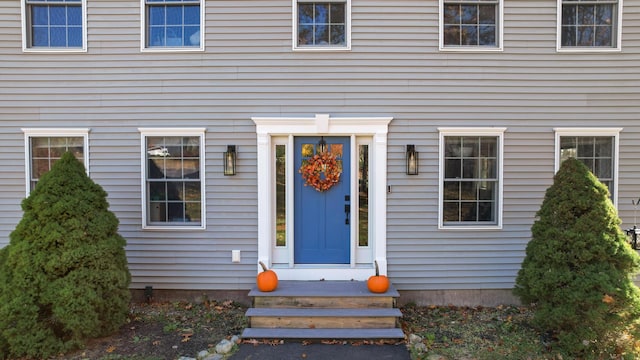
{"type": "Point", "coordinates": [322, 230]}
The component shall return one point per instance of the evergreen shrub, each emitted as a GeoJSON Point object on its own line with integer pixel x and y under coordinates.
{"type": "Point", "coordinates": [579, 268]}
{"type": "Point", "coordinates": [64, 273]}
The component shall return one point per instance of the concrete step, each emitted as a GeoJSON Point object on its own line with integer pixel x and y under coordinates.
{"type": "Point", "coordinates": [261, 333]}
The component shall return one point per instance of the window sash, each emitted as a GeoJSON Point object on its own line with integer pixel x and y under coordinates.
{"type": "Point", "coordinates": [321, 25]}
{"type": "Point", "coordinates": [173, 24]}
{"type": "Point", "coordinates": [589, 24]}
{"type": "Point", "coordinates": [474, 25]}
{"type": "Point", "coordinates": [54, 24]}
{"type": "Point", "coordinates": [470, 186]}
{"type": "Point", "coordinates": [173, 179]}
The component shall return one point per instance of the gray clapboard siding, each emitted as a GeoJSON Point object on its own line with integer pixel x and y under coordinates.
{"type": "Point", "coordinates": [248, 69]}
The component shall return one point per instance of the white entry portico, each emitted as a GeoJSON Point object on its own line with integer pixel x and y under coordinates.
{"type": "Point", "coordinates": [281, 131]}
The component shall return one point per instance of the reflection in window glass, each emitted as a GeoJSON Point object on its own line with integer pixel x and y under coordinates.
{"type": "Point", "coordinates": [363, 195]}
{"type": "Point", "coordinates": [321, 23]}
{"type": "Point", "coordinates": [173, 23]}
{"type": "Point", "coordinates": [589, 23]}
{"type": "Point", "coordinates": [54, 24]}
{"type": "Point", "coordinates": [173, 179]}
{"type": "Point", "coordinates": [45, 151]}
{"type": "Point", "coordinates": [470, 179]}
{"type": "Point", "coordinates": [281, 200]}
{"type": "Point", "coordinates": [470, 23]}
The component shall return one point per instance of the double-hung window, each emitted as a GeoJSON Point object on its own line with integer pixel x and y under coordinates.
{"type": "Point", "coordinates": [173, 181]}
{"type": "Point", "coordinates": [322, 25]}
{"type": "Point", "coordinates": [471, 24]}
{"type": "Point", "coordinates": [54, 25]}
{"type": "Point", "coordinates": [470, 190]}
{"type": "Point", "coordinates": [173, 24]}
{"type": "Point", "coordinates": [45, 146]}
{"type": "Point", "coordinates": [589, 24]}
{"type": "Point", "coordinates": [597, 148]}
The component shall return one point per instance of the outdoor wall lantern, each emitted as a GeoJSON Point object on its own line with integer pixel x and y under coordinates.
{"type": "Point", "coordinates": [230, 160]}
{"type": "Point", "coordinates": [412, 160]}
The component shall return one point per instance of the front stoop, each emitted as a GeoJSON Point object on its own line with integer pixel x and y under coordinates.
{"type": "Point", "coordinates": [323, 310]}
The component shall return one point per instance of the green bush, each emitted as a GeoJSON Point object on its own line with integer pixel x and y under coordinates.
{"type": "Point", "coordinates": [65, 275]}
{"type": "Point", "coordinates": [578, 270]}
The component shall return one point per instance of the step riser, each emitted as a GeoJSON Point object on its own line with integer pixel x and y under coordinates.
{"type": "Point", "coordinates": [323, 322]}
{"type": "Point", "coordinates": [324, 302]}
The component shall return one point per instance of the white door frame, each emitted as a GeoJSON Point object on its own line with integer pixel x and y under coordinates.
{"type": "Point", "coordinates": [323, 125]}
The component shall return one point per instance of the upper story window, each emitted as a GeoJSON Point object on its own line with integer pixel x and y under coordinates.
{"type": "Point", "coordinates": [173, 24]}
{"type": "Point", "coordinates": [471, 24]}
{"type": "Point", "coordinates": [54, 25]}
{"type": "Point", "coordinates": [322, 25]}
{"type": "Point", "coordinates": [46, 146]}
{"type": "Point", "coordinates": [470, 178]}
{"type": "Point", "coordinates": [589, 24]}
{"type": "Point", "coordinates": [173, 181]}
{"type": "Point", "coordinates": [595, 147]}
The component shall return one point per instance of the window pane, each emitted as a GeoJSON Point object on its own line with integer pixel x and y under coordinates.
{"type": "Point", "coordinates": [45, 151]}
{"type": "Point", "coordinates": [281, 203]}
{"type": "Point", "coordinates": [474, 159]}
{"type": "Point", "coordinates": [55, 25]}
{"type": "Point", "coordinates": [470, 24]}
{"type": "Point", "coordinates": [596, 152]}
{"type": "Point", "coordinates": [589, 25]}
{"type": "Point", "coordinates": [173, 25]}
{"type": "Point", "coordinates": [321, 23]}
{"type": "Point", "coordinates": [363, 195]}
{"type": "Point", "coordinates": [173, 173]}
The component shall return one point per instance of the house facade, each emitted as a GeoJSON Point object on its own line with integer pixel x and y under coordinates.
{"type": "Point", "coordinates": [442, 124]}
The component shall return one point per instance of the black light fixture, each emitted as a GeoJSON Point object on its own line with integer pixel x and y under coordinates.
{"type": "Point", "coordinates": [322, 146]}
{"type": "Point", "coordinates": [412, 160]}
{"type": "Point", "coordinates": [229, 160]}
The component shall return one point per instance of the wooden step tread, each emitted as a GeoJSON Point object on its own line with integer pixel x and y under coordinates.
{"type": "Point", "coordinates": [261, 333]}
{"type": "Point", "coordinates": [323, 289]}
{"type": "Point", "coordinates": [321, 312]}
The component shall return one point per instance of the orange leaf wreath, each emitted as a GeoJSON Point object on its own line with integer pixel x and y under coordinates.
{"type": "Point", "coordinates": [321, 171]}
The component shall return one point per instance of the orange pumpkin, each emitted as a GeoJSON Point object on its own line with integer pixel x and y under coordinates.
{"type": "Point", "coordinates": [267, 280]}
{"type": "Point", "coordinates": [378, 283]}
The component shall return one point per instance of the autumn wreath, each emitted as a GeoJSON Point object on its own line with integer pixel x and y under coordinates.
{"type": "Point", "coordinates": [321, 171]}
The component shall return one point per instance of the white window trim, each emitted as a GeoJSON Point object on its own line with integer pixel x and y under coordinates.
{"type": "Point", "coordinates": [574, 49]}
{"type": "Point", "coordinates": [613, 132]}
{"type": "Point", "coordinates": [25, 41]}
{"type": "Point", "coordinates": [143, 32]}
{"type": "Point", "coordinates": [493, 131]}
{"type": "Point", "coordinates": [499, 46]}
{"type": "Point", "coordinates": [144, 133]}
{"type": "Point", "coordinates": [294, 31]}
{"type": "Point", "coordinates": [49, 132]}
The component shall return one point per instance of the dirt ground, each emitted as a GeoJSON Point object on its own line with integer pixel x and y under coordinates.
{"type": "Point", "coordinates": [160, 331]}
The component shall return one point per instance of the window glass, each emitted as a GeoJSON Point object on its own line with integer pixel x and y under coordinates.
{"type": "Point", "coordinates": [54, 24]}
{"type": "Point", "coordinates": [470, 23]}
{"type": "Point", "coordinates": [589, 23]}
{"type": "Point", "coordinates": [596, 152]}
{"type": "Point", "coordinates": [321, 24]}
{"type": "Point", "coordinates": [281, 197]}
{"type": "Point", "coordinates": [45, 151]}
{"type": "Point", "coordinates": [173, 23]}
{"type": "Point", "coordinates": [470, 181]}
{"type": "Point", "coordinates": [174, 188]}
{"type": "Point", "coordinates": [363, 195]}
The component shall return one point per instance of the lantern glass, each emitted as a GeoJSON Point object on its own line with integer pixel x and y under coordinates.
{"type": "Point", "coordinates": [412, 160]}
{"type": "Point", "coordinates": [229, 160]}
